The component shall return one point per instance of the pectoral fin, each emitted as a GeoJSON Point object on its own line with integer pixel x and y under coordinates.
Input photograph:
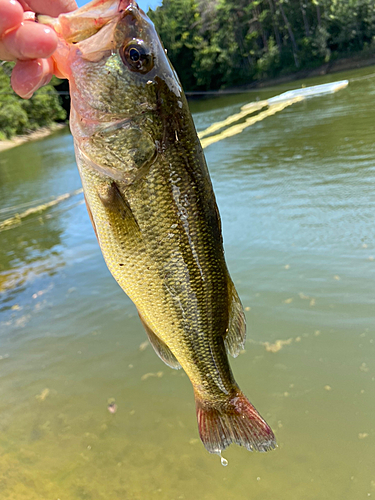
{"type": "Point", "coordinates": [115, 202]}
{"type": "Point", "coordinates": [161, 349]}
{"type": "Point", "coordinates": [235, 338]}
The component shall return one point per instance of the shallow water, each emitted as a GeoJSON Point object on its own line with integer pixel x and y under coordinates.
{"type": "Point", "coordinates": [296, 194]}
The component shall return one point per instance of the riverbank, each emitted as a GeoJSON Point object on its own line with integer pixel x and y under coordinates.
{"type": "Point", "coordinates": [33, 136]}
{"type": "Point", "coordinates": [345, 64]}
{"type": "Point", "coordinates": [336, 66]}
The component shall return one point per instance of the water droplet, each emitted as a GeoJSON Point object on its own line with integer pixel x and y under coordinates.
{"type": "Point", "coordinates": [223, 460]}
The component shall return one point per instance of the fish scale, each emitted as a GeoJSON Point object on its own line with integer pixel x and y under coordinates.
{"type": "Point", "coordinates": [174, 257]}
{"type": "Point", "coordinates": [151, 202]}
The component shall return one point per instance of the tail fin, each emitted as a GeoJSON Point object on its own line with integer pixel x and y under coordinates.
{"type": "Point", "coordinates": [234, 421]}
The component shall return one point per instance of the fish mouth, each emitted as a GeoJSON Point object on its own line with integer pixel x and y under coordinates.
{"type": "Point", "coordinates": [84, 22]}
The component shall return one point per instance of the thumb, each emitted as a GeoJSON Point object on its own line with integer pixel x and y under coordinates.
{"type": "Point", "coordinates": [52, 8]}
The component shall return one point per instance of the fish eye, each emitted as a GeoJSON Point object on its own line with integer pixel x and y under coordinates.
{"type": "Point", "coordinates": [137, 56]}
{"type": "Point", "coordinates": [134, 54]}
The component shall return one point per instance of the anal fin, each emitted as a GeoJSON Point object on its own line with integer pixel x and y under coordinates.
{"type": "Point", "coordinates": [161, 348]}
{"type": "Point", "coordinates": [234, 339]}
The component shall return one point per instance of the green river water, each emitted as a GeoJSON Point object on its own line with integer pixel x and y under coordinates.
{"type": "Point", "coordinates": [296, 194]}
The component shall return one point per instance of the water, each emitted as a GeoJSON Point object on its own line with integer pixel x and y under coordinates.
{"type": "Point", "coordinates": [297, 197]}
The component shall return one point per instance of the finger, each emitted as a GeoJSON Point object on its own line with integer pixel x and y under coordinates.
{"type": "Point", "coordinates": [30, 41]}
{"type": "Point", "coordinates": [28, 76]}
{"type": "Point", "coordinates": [11, 14]}
{"type": "Point", "coordinates": [25, 5]}
{"type": "Point", "coordinates": [5, 55]}
{"type": "Point", "coordinates": [52, 8]}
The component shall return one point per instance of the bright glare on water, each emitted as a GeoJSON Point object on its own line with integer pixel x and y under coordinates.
{"type": "Point", "coordinates": [88, 411]}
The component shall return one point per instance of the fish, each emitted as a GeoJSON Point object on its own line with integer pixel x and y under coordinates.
{"type": "Point", "coordinates": [151, 202]}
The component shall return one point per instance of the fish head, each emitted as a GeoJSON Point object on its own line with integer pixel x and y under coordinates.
{"type": "Point", "coordinates": [115, 62]}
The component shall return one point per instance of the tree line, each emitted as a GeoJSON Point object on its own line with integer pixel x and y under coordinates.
{"type": "Point", "coordinates": [219, 43]}
{"type": "Point", "coordinates": [21, 116]}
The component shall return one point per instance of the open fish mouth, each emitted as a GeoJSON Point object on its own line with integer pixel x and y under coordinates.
{"type": "Point", "coordinates": [84, 22]}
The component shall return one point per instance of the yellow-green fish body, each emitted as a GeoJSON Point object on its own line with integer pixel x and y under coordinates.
{"type": "Point", "coordinates": [152, 205]}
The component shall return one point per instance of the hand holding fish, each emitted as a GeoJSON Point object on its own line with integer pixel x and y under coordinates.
{"type": "Point", "coordinates": [28, 43]}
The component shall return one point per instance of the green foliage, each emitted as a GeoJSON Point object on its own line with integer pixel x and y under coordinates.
{"type": "Point", "coordinates": [218, 43]}
{"type": "Point", "coordinates": [20, 116]}
{"type": "Point", "coordinates": [43, 108]}
{"type": "Point", "coordinates": [269, 63]}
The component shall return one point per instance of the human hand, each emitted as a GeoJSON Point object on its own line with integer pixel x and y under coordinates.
{"type": "Point", "coordinates": [29, 43]}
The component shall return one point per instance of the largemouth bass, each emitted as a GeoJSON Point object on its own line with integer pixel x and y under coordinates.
{"type": "Point", "coordinates": [152, 206]}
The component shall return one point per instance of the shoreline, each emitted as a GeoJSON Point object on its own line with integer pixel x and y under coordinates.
{"type": "Point", "coordinates": [33, 136]}
{"type": "Point", "coordinates": [337, 66]}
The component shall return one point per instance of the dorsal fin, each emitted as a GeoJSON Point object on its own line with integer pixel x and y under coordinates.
{"type": "Point", "coordinates": [235, 338]}
{"type": "Point", "coordinates": [161, 349]}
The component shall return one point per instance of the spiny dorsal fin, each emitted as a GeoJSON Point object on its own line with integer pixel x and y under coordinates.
{"type": "Point", "coordinates": [161, 349]}
{"type": "Point", "coordinates": [235, 338]}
